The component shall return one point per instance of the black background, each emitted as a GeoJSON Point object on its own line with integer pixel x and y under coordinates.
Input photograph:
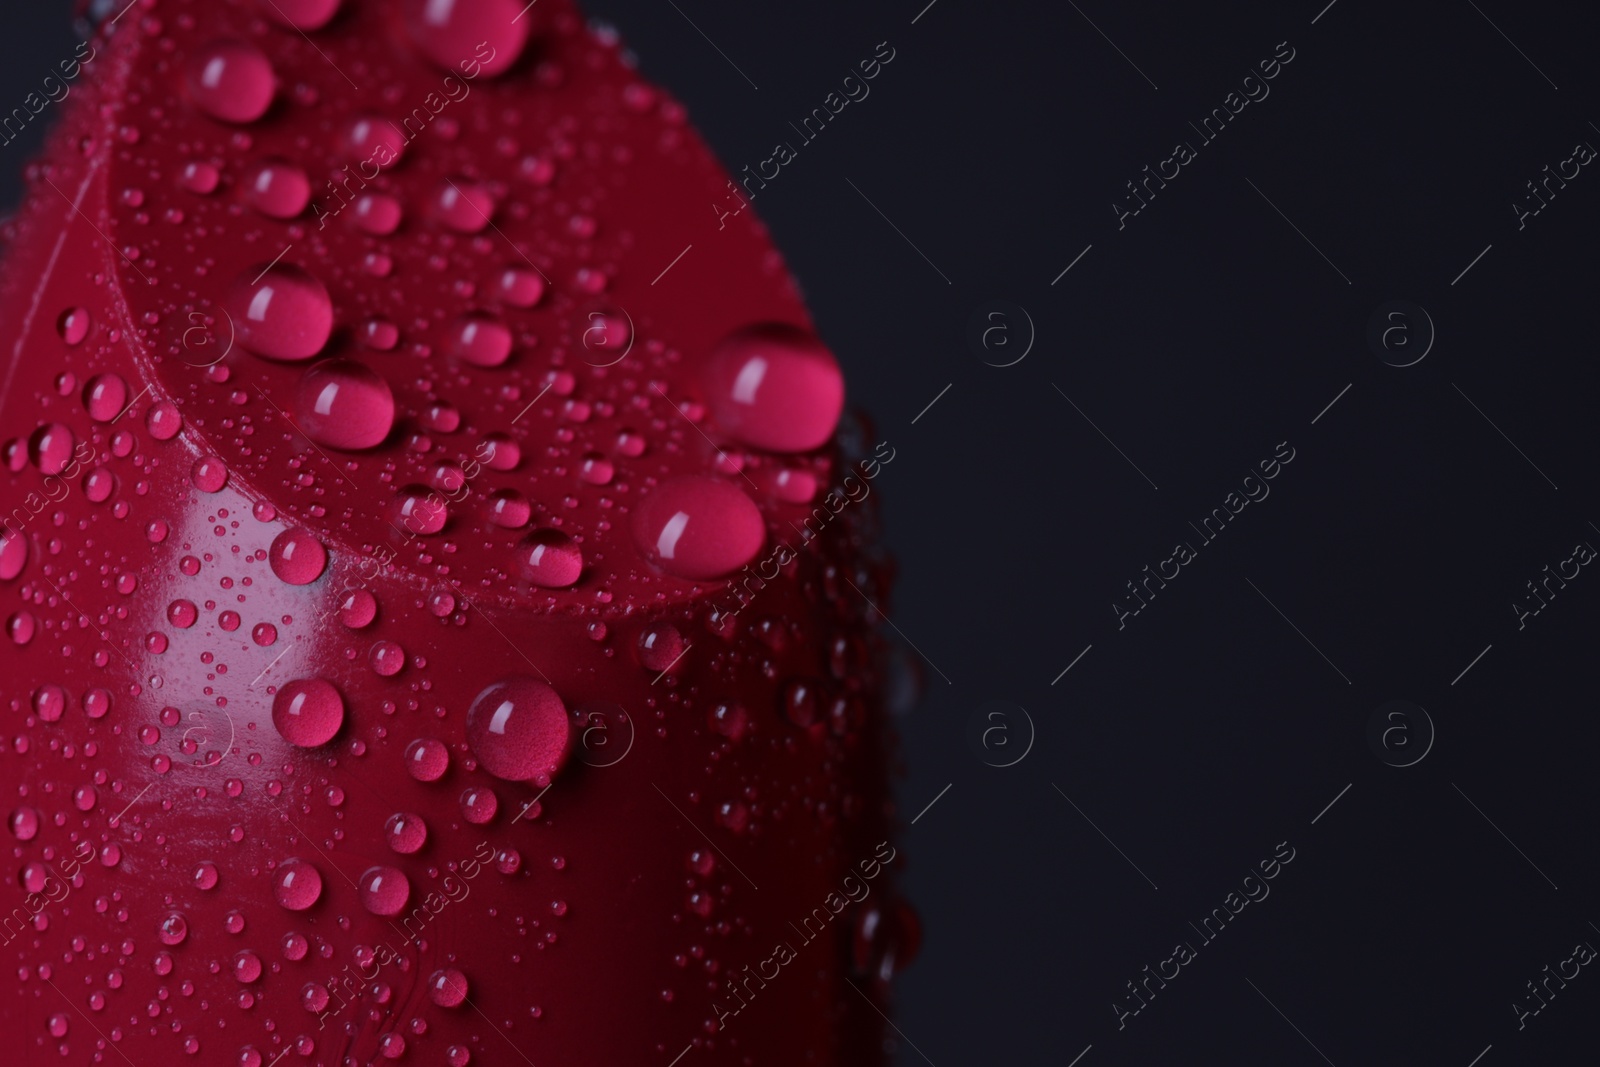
{"type": "Point", "coordinates": [1198, 338]}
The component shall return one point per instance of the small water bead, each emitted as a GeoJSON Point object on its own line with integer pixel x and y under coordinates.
{"type": "Point", "coordinates": [297, 557]}
{"type": "Point", "coordinates": [295, 946]}
{"type": "Point", "coordinates": [501, 453]}
{"type": "Point", "coordinates": [264, 633]}
{"type": "Point", "coordinates": [105, 396]}
{"type": "Point", "coordinates": [421, 510]}
{"type": "Point", "coordinates": [441, 603]}
{"type": "Point", "coordinates": [314, 998]}
{"type": "Point", "coordinates": [173, 929]}
{"type": "Point", "coordinates": [281, 311]}
{"type": "Point", "coordinates": [199, 177]}
{"type": "Point", "coordinates": [386, 659]}
{"type": "Point", "coordinates": [301, 14]}
{"type": "Point", "coordinates": [482, 340]}
{"type": "Point", "coordinates": [24, 824]}
{"type": "Point", "coordinates": [380, 335]}
{"type": "Point", "coordinates": [377, 213]}
{"type": "Point", "coordinates": [73, 325]}
{"type": "Point", "coordinates": [344, 405]}
{"type": "Point", "coordinates": [519, 730]}
{"type": "Point", "coordinates": [49, 702]}
{"type": "Point", "coordinates": [246, 966]}
{"type": "Point", "coordinates": [479, 804]}
{"type": "Point", "coordinates": [458, 1056]}
{"type": "Point", "coordinates": [50, 447]}
{"type": "Point", "coordinates": [447, 987]}
{"type": "Point", "coordinates": [660, 646]}
{"type": "Point", "coordinates": [509, 509]}
{"type": "Point", "coordinates": [205, 875]}
{"type": "Point", "coordinates": [427, 759]}
{"type": "Point", "coordinates": [405, 832]}
{"type": "Point", "coordinates": [277, 189]}
{"type": "Point", "coordinates": [164, 421]}
{"type": "Point", "coordinates": [441, 418]}
{"type": "Point", "coordinates": [597, 469]}
{"type": "Point", "coordinates": [96, 703]}
{"type": "Point", "coordinates": [229, 620]}
{"type": "Point", "coordinates": [297, 885]}
{"type": "Point", "coordinates": [98, 485]}
{"type": "Point", "coordinates": [308, 712]}
{"type": "Point", "coordinates": [232, 81]}
{"type": "Point", "coordinates": [520, 287]}
{"type": "Point", "coordinates": [776, 387]}
{"type": "Point", "coordinates": [455, 33]}
{"type": "Point", "coordinates": [698, 527]}
{"type": "Point", "coordinates": [729, 720]}
{"type": "Point", "coordinates": [85, 797]}
{"type": "Point", "coordinates": [383, 890]}
{"type": "Point", "coordinates": [464, 205]}
{"type": "Point", "coordinates": [551, 559]}
{"type": "Point", "coordinates": [58, 1025]}
{"type": "Point", "coordinates": [375, 140]}
{"type": "Point", "coordinates": [182, 614]}
{"type": "Point", "coordinates": [358, 609]}
{"type": "Point", "coordinates": [21, 627]}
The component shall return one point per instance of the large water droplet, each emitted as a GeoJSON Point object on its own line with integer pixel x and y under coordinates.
{"type": "Point", "coordinates": [277, 189]}
{"type": "Point", "coordinates": [13, 553]}
{"type": "Point", "coordinates": [465, 205]}
{"type": "Point", "coordinates": [481, 340]}
{"type": "Point", "coordinates": [776, 387]}
{"type": "Point", "coordinates": [421, 511]}
{"type": "Point", "coordinates": [232, 81]}
{"type": "Point", "coordinates": [105, 396]}
{"type": "Point", "coordinates": [447, 987]}
{"type": "Point", "coordinates": [342, 404]}
{"type": "Point", "coordinates": [467, 35]}
{"type": "Point", "coordinates": [698, 527]}
{"type": "Point", "coordinates": [50, 447]}
{"type": "Point", "coordinates": [308, 712]}
{"type": "Point", "coordinates": [427, 759]}
{"type": "Point", "coordinates": [405, 832]}
{"type": "Point", "coordinates": [281, 312]}
{"type": "Point", "coordinates": [297, 557]}
{"type": "Point", "coordinates": [383, 890]}
{"type": "Point", "coordinates": [551, 559]}
{"type": "Point", "coordinates": [519, 730]}
{"type": "Point", "coordinates": [296, 885]}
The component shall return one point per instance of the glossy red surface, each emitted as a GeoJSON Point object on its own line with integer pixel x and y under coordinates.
{"type": "Point", "coordinates": [289, 488]}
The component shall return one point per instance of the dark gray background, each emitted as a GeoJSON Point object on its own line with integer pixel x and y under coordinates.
{"type": "Point", "coordinates": [1198, 338]}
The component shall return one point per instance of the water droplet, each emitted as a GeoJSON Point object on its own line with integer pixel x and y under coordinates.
{"type": "Point", "coordinates": [358, 609]}
{"type": "Point", "coordinates": [447, 987]}
{"type": "Point", "coordinates": [296, 885]}
{"type": "Point", "coordinates": [173, 929]}
{"type": "Point", "coordinates": [24, 824]}
{"type": "Point", "coordinates": [105, 396]}
{"type": "Point", "coordinates": [520, 287]}
{"type": "Point", "coordinates": [501, 452]}
{"type": "Point", "coordinates": [209, 474]}
{"type": "Point", "coordinates": [464, 205]}
{"type": "Point", "coordinates": [277, 189]}
{"type": "Point", "coordinates": [182, 614]}
{"type": "Point", "coordinates": [73, 325]}
{"type": "Point", "coordinates": [20, 627]}
{"type": "Point", "coordinates": [468, 33]}
{"type": "Point", "coordinates": [232, 81]}
{"type": "Point", "coordinates": [297, 557]}
{"type": "Point", "coordinates": [509, 509]}
{"type": "Point", "coordinates": [660, 646]}
{"type": "Point", "coordinates": [383, 890]}
{"type": "Point", "coordinates": [377, 213]}
{"type": "Point", "coordinates": [308, 712]}
{"type": "Point", "coordinates": [427, 759]}
{"type": "Point", "coordinates": [421, 510]}
{"type": "Point", "coordinates": [386, 659]}
{"type": "Point", "coordinates": [478, 805]}
{"type": "Point", "coordinates": [264, 633]}
{"type": "Point", "coordinates": [597, 469]}
{"type": "Point", "coordinates": [698, 527]}
{"type": "Point", "coordinates": [551, 559]}
{"type": "Point", "coordinates": [519, 730]}
{"type": "Point", "coordinates": [199, 177]}
{"type": "Point", "coordinates": [776, 387]}
{"type": "Point", "coordinates": [344, 405]}
{"type": "Point", "coordinates": [164, 421]}
{"type": "Point", "coordinates": [481, 340]}
{"type": "Point", "coordinates": [246, 966]}
{"type": "Point", "coordinates": [281, 312]}
{"type": "Point", "coordinates": [205, 875]}
{"type": "Point", "coordinates": [49, 701]}
{"type": "Point", "coordinates": [375, 140]}
{"type": "Point", "coordinates": [405, 832]}
{"type": "Point", "coordinates": [50, 447]}
{"type": "Point", "coordinates": [13, 553]}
